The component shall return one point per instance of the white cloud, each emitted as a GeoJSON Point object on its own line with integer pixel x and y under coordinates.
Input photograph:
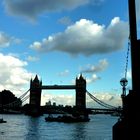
{"type": "Point", "coordinates": [92, 69]}
{"type": "Point", "coordinates": [32, 58]}
{"type": "Point", "coordinates": [37, 45]}
{"type": "Point", "coordinates": [13, 75]}
{"type": "Point", "coordinates": [87, 38]}
{"type": "Point", "coordinates": [64, 73]}
{"type": "Point", "coordinates": [92, 79]}
{"type": "Point", "coordinates": [101, 66]}
{"type": "Point", "coordinates": [6, 40]}
{"type": "Point", "coordinates": [64, 99]}
{"type": "Point", "coordinates": [129, 74]}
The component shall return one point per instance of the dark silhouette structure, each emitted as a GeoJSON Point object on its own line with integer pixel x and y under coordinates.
{"type": "Point", "coordinates": [127, 128]}
{"type": "Point", "coordinates": [35, 94]}
{"type": "Point", "coordinates": [81, 92]}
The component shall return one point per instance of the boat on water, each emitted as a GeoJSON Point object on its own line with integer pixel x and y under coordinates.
{"type": "Point", "coordinates": [67, 119]}
{"type": "Point", "coordinates": [2, 121]}
{"type": "Point", "coordinates": [1, 110]}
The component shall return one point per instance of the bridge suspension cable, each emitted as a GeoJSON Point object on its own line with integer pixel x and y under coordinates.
{"type": "Point", "coordinates": [101, 102]}
{"type": "Point", "coordinates": [26, 98]}
{"type": "Point", "coordinates": [23, 95]}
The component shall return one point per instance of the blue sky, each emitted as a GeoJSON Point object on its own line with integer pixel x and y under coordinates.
{"type": "Point", "coordinates": [58, 40]}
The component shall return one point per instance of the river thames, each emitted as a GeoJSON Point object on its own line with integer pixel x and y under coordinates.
{"type": "Point", "coordinates": [21, 127]}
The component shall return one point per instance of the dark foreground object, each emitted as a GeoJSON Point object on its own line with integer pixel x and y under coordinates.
{"type": "Point", "coordinates": [127, 128]}
{"type": "Point", "coordinates": [67, 119]}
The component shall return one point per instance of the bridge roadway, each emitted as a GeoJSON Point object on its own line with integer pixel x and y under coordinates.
{"type": "Point", "coordinates": [105, 110]}
{"type": "Point", "coordinates": [59, 87]}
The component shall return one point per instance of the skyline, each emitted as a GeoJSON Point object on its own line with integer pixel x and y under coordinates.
{"type": "Point", "coordinates": [59, 40]}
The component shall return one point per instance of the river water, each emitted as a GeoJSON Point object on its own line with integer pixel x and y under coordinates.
{"type": "Point", "coordinates": [21, 127]}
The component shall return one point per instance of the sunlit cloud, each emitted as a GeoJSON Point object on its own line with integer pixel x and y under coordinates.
{"type": "Point", "coordinates": [86, 37]}
{"type": "Point", "coordinates": [64, 99]}
{"type": "Point", "coordinates": [92, 79]}
{"type": "Point", "coordinates": [101, 66]}
{"type": "Point", "coordinates": [129, 74]}
{"type": "Point", "coordinates": [13, 74]}
{"type": "Point", "coordinates": [64, 73]}
{"type": "Point", "coordinates": [32, 58]}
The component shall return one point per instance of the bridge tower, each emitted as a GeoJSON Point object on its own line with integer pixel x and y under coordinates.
{"type": "Point", "coordinates": [127, 127]}
{"type": "Point", "coordinates": [35, 96]}
{"type": "Point", "coordinates": [80, 92]}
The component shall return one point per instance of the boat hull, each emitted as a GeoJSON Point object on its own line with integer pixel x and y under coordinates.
{"type": "Point", "coordinates": [2, 121]}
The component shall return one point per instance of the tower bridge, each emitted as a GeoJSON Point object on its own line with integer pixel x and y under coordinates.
{"type": "Point", "coordinates": [36, 88]}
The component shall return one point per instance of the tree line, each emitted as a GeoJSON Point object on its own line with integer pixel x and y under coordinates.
{"type": "Point", "coordinates": [8, 99]}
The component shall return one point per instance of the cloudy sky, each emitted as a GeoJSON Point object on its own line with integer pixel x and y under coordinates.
{"type": "Point", "coordinates": [59, 39]}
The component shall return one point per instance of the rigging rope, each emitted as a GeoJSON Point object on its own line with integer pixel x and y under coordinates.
{"type": "Point", "coordinates": [127, 57]}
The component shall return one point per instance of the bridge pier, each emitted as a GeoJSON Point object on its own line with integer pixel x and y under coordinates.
{"type": "Point", "coordinates": [80, 92]}
{"type": "Point", "coordinates": [80, 102]}
{"type": "Point", "coordinates": [35, 97]}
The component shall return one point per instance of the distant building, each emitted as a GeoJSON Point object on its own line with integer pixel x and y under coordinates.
{"type": "Point", "coordinates": [48, 103]}
{"type": "Point", "coordinates": [54, 103]}
{"type": "Point", "coordinates": [60, 106]}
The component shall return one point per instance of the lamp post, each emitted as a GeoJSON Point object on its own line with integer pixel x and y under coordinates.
{"type": "Point", "coordinates": [123, 83]}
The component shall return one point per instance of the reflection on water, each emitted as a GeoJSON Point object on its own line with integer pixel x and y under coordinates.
{"type": "Point", "coordinates": [32, 128]}
{"type": "Point", "coordinates": [79, 132]}
{"type": "Point", "coordinates": [21, 127]}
